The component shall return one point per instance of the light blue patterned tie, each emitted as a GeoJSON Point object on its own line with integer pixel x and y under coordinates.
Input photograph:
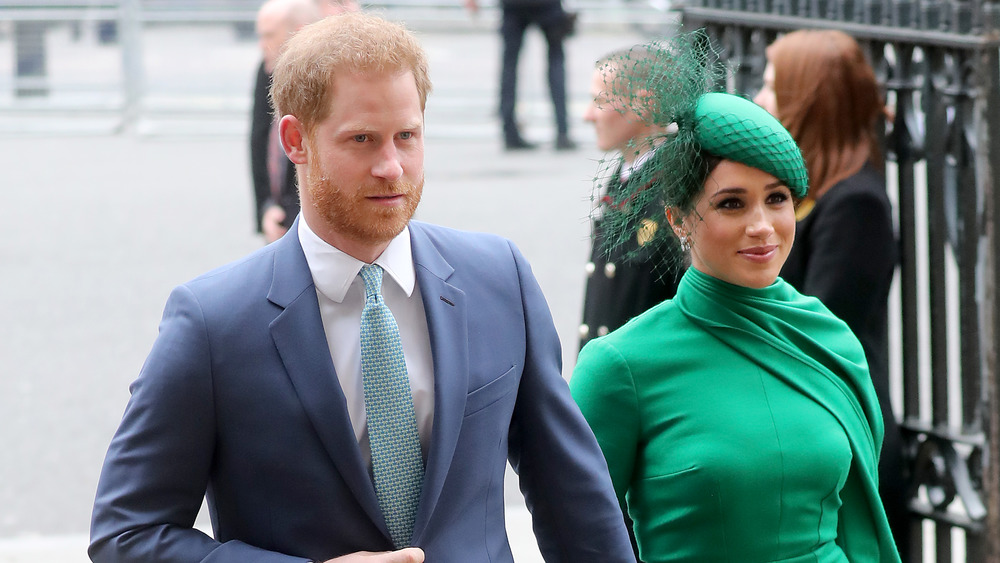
{"type": "Point", "coordinates": [397, 462]}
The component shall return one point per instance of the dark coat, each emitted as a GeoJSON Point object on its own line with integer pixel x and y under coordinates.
{"type": "Point", "coordinates": [628, 280]}
{"type": "Point", "coordinates": [260, 127]}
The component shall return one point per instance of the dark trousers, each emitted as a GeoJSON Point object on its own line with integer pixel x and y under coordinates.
{"type": "Point", "coordinates": [893, 486]}
{"type": "Point", "coordinates": [516, 19]}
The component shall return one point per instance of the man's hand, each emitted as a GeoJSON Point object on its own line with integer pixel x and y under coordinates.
{"type": "Point", "coordinates": [408, 555]}
{"type": "Point", "coordinates": [270, 223]}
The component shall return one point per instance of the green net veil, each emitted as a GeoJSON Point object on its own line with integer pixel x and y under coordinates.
{"type": "Point", "coordinates": [667, 84]}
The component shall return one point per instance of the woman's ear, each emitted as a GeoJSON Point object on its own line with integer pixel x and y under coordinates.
{"type": "Point", "coordinates": [675, 219]}
{"type": "Point", "coordinates": [293, 139]}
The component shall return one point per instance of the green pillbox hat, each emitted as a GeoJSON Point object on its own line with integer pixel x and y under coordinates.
{"type": "Point", "coordinates": [735, 128]}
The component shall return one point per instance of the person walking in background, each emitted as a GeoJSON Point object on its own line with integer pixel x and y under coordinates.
{"type": "Point", "coordinates": [361, 384]}
{"type": "Point", "coordinates": [624, 280]}
{"type": "Point", "coordinates": [821, 87]}
{"type": "Point", "coordinates": [553, 21]}
{"type": "Point", "coordinates": [275, 194]}
{"type": "Point", "coordinates": [335, 7]}
{"type": "Point", "coordinates": [738, 419]}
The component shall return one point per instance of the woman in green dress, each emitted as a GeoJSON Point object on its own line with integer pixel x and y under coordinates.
{"type": "Point", "coordinates": [738, 419]}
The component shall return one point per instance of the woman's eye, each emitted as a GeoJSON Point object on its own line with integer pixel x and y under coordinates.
{"type": "Point", "coordinates": [729, 203]}
{"type": "Point", "coordinates": [778, 197]}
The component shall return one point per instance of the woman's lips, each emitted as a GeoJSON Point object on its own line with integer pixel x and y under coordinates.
{"type": "Point", "coordinates": [759, 253]}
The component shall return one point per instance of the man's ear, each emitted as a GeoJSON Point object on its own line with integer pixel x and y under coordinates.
{"type": "Point", "coordinates": [642, 104]}
{"type": "Point", "coordinates": [293, 139]}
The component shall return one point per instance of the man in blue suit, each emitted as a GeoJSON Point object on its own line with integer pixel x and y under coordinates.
{"type": "Point", "coordinates": [256, 392]}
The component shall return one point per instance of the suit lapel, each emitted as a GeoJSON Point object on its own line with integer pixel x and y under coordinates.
{"type": "Point", "coordinates": [445, 307]}
{"type": "Point", "coordinates": [300, 339]}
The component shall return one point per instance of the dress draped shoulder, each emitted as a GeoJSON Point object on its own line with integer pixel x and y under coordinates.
{"type": "Point", "coordinates": [760, 359]}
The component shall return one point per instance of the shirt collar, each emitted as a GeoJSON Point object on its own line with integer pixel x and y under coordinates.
{"type": "Point", "coordinates": [333, 271]}
{"type": "Point", "coordinates": [634, 165]}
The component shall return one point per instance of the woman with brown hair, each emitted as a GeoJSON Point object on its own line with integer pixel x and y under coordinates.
{"type": "Point", "coordinates": [819, 84]}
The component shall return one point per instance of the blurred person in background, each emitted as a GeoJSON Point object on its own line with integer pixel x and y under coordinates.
{"type": "Point", "coordinates": [555, 23]}
{"type": "Point", "coordinates": [275, 194]}
{"type": "Point", "coordinates": [334, 7]}
{"type": "Point", "coordinates": [820, 85]}
{"type": "Point", "coordinates": [623, 280]}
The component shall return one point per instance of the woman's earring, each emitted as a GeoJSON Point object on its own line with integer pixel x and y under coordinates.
{"type": "Point", "coordinates": [685, 243]}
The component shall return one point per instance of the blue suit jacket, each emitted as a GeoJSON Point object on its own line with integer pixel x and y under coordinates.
{"type": "Point", "coordinates": [239, 399]}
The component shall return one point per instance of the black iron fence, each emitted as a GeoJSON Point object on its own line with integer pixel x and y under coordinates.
{"type": "Point", "coordinates": [938, 61]}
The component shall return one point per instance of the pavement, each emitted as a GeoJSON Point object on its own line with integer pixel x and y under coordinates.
{"type": "Point", "coordinates": [103, 215]}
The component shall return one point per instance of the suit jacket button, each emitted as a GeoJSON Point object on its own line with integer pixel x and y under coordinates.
{"type": "Point", "coordinates": [609, 270]}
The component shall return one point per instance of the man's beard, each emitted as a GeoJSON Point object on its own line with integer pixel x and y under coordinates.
{"type": "Point", "coordinates": [349, 214]}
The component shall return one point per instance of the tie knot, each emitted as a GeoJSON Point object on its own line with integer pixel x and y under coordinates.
{"type": "Point", "coordinates": [371, 274]}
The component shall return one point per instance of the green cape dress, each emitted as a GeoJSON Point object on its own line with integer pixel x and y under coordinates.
{"type": "Point", "coordinates": [739, 425]}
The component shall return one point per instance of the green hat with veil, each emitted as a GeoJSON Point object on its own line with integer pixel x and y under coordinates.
{"type": "Point", "coordinates": [735, 128]}
{"type": "Point", "coordinates": [668, 84]}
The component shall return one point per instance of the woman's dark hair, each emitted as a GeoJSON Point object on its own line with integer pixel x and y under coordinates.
{"type": "Point", "coordinates": [707, 162]}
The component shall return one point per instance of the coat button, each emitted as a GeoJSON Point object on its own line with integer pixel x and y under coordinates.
{"type": "Point", "coordinates": [609, 270]}
{"type": "Point", "coordinates": [584, 330]}
{"type": "Point", "coordinates": [589, 268]}
{"type": "Point", "coordinates": [646, 232]}
{"type": "Point", "coordinates": [602, 330]}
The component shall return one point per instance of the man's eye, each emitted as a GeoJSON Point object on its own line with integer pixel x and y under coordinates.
{"type": "Point", "coordinates": [360, 138]}
{"type": "Point", "coordinates": [406, 135]}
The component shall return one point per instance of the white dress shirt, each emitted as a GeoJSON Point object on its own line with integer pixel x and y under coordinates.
{"type": "Point", "coordinates": [341, 294]}
{"type": "Point", "coordinates": [636, 164]}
